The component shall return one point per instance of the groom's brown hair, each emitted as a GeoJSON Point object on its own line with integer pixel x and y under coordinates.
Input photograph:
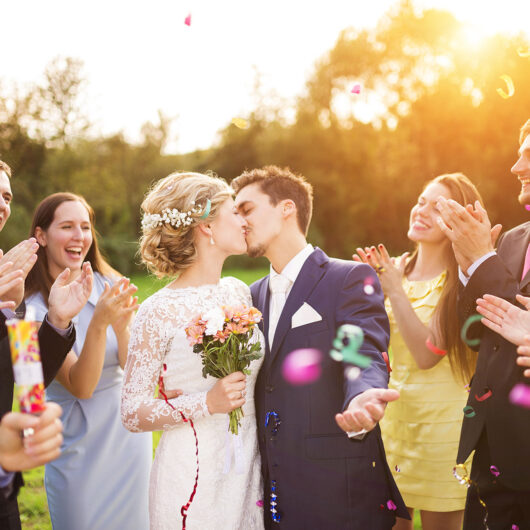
{"type": "Point", "coordinates": [280, 184]}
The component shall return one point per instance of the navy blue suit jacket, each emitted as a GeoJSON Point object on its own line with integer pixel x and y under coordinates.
{"type": "Point", "coordinates": [324, 480]}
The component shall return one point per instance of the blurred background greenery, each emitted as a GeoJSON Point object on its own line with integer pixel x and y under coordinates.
{"type": "Point", "coordinates": [438, 111]}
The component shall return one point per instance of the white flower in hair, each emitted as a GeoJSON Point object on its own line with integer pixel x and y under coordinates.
{"type": "Point", "coordinates": [170, 216]}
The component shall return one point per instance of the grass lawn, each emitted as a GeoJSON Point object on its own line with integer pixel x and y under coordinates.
{"type": "Point", "coordinates": [32, 498]}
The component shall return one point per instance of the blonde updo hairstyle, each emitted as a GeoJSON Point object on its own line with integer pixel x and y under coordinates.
{"type": "Point", "coordinates": [167, 250]}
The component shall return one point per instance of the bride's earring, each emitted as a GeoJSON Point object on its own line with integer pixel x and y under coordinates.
{"type": "Point", "coordinates": [212, 242]}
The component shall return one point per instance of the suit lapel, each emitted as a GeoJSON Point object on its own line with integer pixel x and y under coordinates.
{"type": "Point", "coordinates": [263, 306]}
{"type": "Point", "coordinates": [515, 254]}
{"type": "Point", "coordinates": [306, 281]}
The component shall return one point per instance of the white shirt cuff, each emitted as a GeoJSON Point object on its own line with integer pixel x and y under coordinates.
{"type": "Point", "coordinates": [464, 278]}
{"type": "Point", "coordinates": [358, 435]}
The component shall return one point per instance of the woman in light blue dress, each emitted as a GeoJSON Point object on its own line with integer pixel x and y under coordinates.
{"type": "Point", "coordinates": [101, 479]}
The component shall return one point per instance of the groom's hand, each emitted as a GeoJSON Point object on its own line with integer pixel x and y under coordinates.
{"type": "Point", "coordinates": [366, 409]}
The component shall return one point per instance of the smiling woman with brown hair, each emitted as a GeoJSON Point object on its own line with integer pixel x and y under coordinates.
{"type": "Point", "coordinates": [92, 484]}
{"type": "Point", "coordinates": [430, 364]}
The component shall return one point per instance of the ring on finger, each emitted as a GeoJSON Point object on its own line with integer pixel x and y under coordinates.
{"type": "Point", "coordinates": [379, 269]}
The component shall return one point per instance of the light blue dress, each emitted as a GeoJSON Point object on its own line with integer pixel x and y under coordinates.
{"type": "Point", "coordinates": [101, 479]}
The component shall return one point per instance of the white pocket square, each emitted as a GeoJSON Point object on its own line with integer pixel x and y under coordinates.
{"type": "Point", "coordinates": [305, 315]}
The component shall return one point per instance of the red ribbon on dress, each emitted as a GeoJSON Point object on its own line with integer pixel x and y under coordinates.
{"type": "Point", "coordinates": [184, 508]}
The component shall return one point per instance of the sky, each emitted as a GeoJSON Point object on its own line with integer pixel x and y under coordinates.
{"type": "Point", "coordinates": [140, 57]}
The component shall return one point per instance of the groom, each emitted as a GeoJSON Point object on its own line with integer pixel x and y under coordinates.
{"type": "Point", "coordinates": [316, 476]}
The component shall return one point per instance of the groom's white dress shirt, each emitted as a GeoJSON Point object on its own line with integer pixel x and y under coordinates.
{"type": "Point", "coordinates": [280, 284]}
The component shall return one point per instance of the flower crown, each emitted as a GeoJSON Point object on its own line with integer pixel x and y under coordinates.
{"type": "Point", "coordinates": [174, 217]}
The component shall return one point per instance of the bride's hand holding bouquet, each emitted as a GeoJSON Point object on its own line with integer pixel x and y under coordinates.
{"type": "Point", "coordinates": [223, 338]}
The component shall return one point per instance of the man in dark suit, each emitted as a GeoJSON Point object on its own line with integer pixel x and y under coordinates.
{"type": "Point", "coordinates": [56, 335]}
{"type": "Point", "coordinates": [315, 476]}
{"type": "Point", "coordinates": [498, 431]}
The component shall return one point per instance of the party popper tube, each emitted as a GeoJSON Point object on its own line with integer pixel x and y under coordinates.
{"type": "Point", "coordinates": [27, 367]}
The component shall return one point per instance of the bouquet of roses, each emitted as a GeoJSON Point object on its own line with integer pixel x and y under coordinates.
{"type": "Point", "coordinates": [222, 336]}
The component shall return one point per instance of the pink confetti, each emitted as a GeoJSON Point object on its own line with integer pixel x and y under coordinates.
{"type": "Point", "coordinates": [515, 527]}
{"type": "Point", "coordinates": [527, 207]}
{"type": "Point", "coordinates": [259, 504]}
{"type": "Point", "coordinates": [520, 395]}
{"type": "Point", "coordinates": [356, 89]}
{"type": "Point", "coordinates": [187, 20]}
{"type": "Point", "coordinates": [302, 367]}
{"type": "Point", "coordinates": [495, 471]}
{"type": "Point", "coordinates": [397, 469]}
{"type": "Point", "coordinates": [369, 286]}
{"type": "Point", "coordinates": [390, 505]}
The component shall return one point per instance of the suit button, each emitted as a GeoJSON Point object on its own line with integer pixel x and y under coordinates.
{"type": "Point", "coordinates": [269, 388]}
{"type": "Point", "coordinates": [495, 347]}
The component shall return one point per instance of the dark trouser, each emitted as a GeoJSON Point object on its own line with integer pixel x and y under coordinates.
{"type": "Point", "coordinates": [506, 509]}
{"type": "Point", "coordinates": [9, 516]}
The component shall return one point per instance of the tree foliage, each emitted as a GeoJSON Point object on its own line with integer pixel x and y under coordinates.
{"type": "Point", "coordinates": [428, 105]}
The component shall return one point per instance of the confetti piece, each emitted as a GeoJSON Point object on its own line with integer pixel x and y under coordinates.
{"type": "Point", "coordinates": [509, 83]}
{"type": "Point", "coordinates": [435, 349]}
{"type": "Point", "coordinates": [495, 471]}
{"type": "Point", "coordinates": [471, 320]}
{"type": "Point", "coordinates": [397, 469]}
{"type": "Point", "coordinates": [521, 52]}
{"type": "Point", "coordinates": [515, 527]}
{"type": "Point", "coordinates": [373, 464]}
{"type": "Point", "coordinates": [346, 346]}
{"type": "Point", "coordinates": [240, 123]}
{"type": "Point", "coordinates": [520, 395]}
{"type": "Point", "coordinates": [259, 504]}
{"type": "Point", "coordinates": [302, 367]}
{"type": "Point", "coordinates": [461, 474]}
{"type": "Point", "coordinates": [187, 20]}
{"type": "Point", "coordinates": [387, 361]}
{"type": "Point", "coordinates": [469, 412]}
{"type": "Point", "coordinates": [353, 372]}
{"type": "Point", "coordinates": [468, 388]}
{"type": "Point", "coordinates": [369, 286]}
{"type": "Point", "coordinates": [484, 396]}
{"type": "Point", "coordinates": [390, 505]}
{"type": "Point", "coordinates": [527, 207]}
{"type": "Point", "coordinates": [356, 89]}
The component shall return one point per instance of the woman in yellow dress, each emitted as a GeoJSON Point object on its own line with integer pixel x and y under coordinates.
{"type": "Point", "coordinates": [430, 363]}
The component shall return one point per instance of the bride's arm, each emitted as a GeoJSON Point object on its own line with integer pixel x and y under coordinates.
{"type": "Point", "coordinates": [140, 410]}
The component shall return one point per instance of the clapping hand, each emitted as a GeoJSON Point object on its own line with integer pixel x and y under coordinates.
{"type": "Point", "coordinates": [390, 270]}
{"type": "Point", "coordinates": [9, 279]}
{"type": "Point", "coordinates": [22, 258]}
{"type": "Point", "coordinates": [126, 308]}
{"type": "Point", "coordinates": [44, 445]}
{"type": "Point", "coordinates": [68, 298]}
{"type": "Point", "coordinates": [114, 305]}
{"type": "Point", "coordinates": [524, 355]}
{"type": "Point", "coordinates": [366, 409]}
{"type": "Point", "coordinates": [469, 230]}
{"type": "Point", "coordinates": [504, 318]}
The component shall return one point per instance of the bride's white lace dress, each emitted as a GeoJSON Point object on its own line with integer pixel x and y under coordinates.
{"type": "Point", "coordinates": [224, 500]}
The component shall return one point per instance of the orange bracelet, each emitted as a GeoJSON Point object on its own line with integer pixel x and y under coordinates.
{"type": "Point", "coordinates": [434, 349]}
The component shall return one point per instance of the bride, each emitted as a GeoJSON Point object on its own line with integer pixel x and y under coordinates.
{"type": "Point", "coordinates": [190, 226]}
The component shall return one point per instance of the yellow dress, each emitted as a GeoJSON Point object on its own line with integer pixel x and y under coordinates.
{"type": "Point", "coordinates": [422, 428]}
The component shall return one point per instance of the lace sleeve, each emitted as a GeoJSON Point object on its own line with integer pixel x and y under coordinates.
{"type": "Point", "coordinates": [140, 410]}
